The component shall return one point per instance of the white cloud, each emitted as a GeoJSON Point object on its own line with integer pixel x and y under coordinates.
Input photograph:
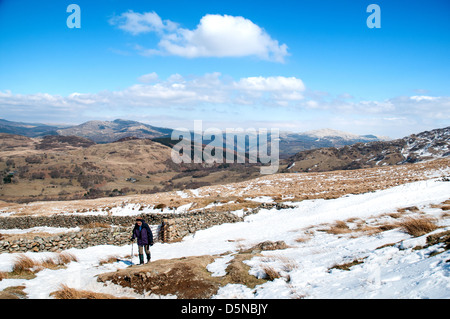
{"type": "Point", "coordinates": [278, 90]}
{"type": "Point", "coordinates": [215, 36]}
{"type": "Point", "coordinates": [148, 78]}
{"type": "Point", "coordinates": [268, 84]}
{"type": "Point", "coordinates": [422, 98]}
{"type": "Point", "coordinates": [215, 89]}
{"type": "Point", "coordinates": [152, 92]}
{"type": "Point", "coordinates": [137, 23]}
{"type": "Point", "coordinates": [395, 107]}
{"type": "Point", "coordinates": [217, 97]}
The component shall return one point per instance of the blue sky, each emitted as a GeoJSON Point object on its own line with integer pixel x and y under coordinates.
{"type": "Point", "coordinates": [293, 65]}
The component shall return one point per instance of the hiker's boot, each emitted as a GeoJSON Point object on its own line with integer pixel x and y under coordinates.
{"type": "Point", "coordinates": [141, 259]}
{"type": "Point", "coordinates": [148, 258]}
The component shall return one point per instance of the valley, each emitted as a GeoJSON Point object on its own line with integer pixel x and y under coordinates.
{"type": "Point", "coordinates": [59, 167]}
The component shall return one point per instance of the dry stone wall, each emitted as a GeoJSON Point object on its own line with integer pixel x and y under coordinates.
{"type": "Point", "coordinates": [114, 230]}
{"type": "Point", "coordinates": [79, 239]}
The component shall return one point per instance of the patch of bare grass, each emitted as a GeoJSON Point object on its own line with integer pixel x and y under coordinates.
{"type": "Point", "coordinates": [413, 209]}
{"type": "Point", "coordinates": [348, 265]}
{"type": "Point", "coordinates": [237, 272]}
{"type": "Point", "coordinates": [65, 258]}
{"type": "Point", "coordinates": [270, 272]}
{"type": "Point", "coordinates": [287, 264]}
{"type": "Point", "coordinates": [25, 267]}
{"type": "Point", "coordinates": [439, 238]}
{"type": "Point", "coordinates": [339, 227]}
{"type": "Point", "coordinates": [418, 226]}
{"type": "Point", "coordinates": [302, 239]}
{"type": "Point", "coordinates": [3, 275]}
{"type": "Point", "coordinates": [22, 267]}
{"type": "Point", "coordinates": [66, 292]}
{"type": "Point", "coordinates": [109, 260]}
{"type": "Point", "coordinates": [13, 292]}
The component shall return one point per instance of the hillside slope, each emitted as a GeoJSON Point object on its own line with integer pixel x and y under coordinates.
{"type": "Point", "coordinates": [61, 167]}
{"type": "Point", "coordinates": [223, 197]}
{"type": "Point", "coordinates": [411, 149]}
{"type": "Point", "coordinates": [71, 167]}
{"type": "Point", "coordinates": [292, 143]}
{"type": "Point", "coordinates": [110, 131]}
{"type": "Point", "coordinates": [27, 129]}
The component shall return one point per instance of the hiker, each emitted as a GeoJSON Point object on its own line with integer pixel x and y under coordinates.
{"type": "Point", "coordinates": [144, 236]}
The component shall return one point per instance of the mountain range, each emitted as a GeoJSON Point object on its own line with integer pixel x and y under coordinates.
{"type": "Point", "coordinates": [111, 131]}
{"type": "Point", "coordinates": [97, 131]}
{"type": "Point", "coordinates": [292, 143]}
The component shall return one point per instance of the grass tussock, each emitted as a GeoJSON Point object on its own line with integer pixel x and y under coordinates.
{"type": "Point", "coordinates": [270, 272]}
{"type": "Point", "coordinates": [3, 275]}
{"type": "Point", "coordinates": [440, 238]}
{"type": "Point", "coordinates": [109, 260]}
{"type": "Point", "coordinates": [376, 229]}
{"type": "Point", "coordinates": [65, 258]}
{"type": "Point", "coordinates": [413, 209]}
{"type": "Point", "coordinates": [287, 264]}
{"type": "Point", "coordinates": [13, 292]}
{"type": "Point", "coordinates": [302, 239]}
{"type": "Point", "coordinates": [238, 272]}
{"type": "Point", "coordinates": [339, 227]}
{"type": "Point", "coordinates": [25, 267]}
{"type": "Point", "coordinates": [66, 292]}
{"type": "Point", "coordinates": [418, 226]}
{"type": "Point", "coordinates": [348, 265]}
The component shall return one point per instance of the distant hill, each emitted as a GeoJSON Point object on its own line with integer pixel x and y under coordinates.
{"type": "Point", "coordinates": [292, 143]}
{"type": "Point", "coordinates": [27, 129]}
{"type": "Point", "coordinates": [111, 131]}
{"type": "Point", "coordinates": [96, 131]}
{"type": "Point", "coordinates": [424, 146]}
{"type": "Point", "coordinates": [72, 167]}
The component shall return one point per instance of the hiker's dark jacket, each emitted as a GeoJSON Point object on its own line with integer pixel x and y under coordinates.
{"type": "Point", "coordinates": [144, 236]}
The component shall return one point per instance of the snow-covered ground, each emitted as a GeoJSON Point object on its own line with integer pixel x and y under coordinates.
{"type": "Point", "coordinates": [390, 268]}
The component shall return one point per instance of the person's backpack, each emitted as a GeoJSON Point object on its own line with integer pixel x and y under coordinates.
{"type": "Point", "coordinates": [149, 232]}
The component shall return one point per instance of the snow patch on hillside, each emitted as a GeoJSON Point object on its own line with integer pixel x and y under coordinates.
{"type": "Point", "coordinates": [389, 266]}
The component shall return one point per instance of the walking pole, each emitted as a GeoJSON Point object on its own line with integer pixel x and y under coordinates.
{"type": "Point", "coordinates": [132, 251]}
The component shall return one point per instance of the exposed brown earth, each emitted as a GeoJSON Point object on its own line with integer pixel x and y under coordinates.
{"type": "Point", "coordinates": [187, 277]}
